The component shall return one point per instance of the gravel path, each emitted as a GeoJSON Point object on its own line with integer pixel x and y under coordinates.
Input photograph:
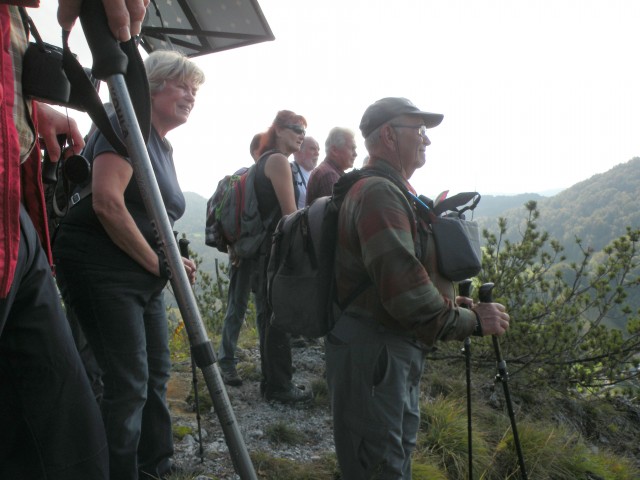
{"type": "Point", "coordinates": [254, 416]}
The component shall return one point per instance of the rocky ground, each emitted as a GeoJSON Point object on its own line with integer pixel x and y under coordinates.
{"type": "Point", "coordinates": [255, 417]}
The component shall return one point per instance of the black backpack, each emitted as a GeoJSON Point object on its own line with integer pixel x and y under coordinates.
{"type": "Point", "coordinates": [300, 275]}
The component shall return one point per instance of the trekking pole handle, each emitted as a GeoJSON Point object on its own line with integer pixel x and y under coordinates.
{"type": "Point", "coordinates": [108, 58]}
{"type": "Point", "coordinates": [183, 246]}
{"type": "Point", "coordinates": [464, 288]}
{"type": "Point", "coordinates": [485, 294]}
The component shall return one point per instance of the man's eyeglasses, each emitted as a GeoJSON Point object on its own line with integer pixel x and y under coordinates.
{"type": "Point", "coordinates": [422, 130]}
{"type": "Point", "coordinates": [296, 128]}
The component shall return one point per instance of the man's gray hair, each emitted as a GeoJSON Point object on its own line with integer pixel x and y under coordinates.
{"type": "Point", "coordinates": [373, 139]}
{"type": "Point", "coordinates": [163, 65]}
{"type": "Point", "coordinates": [302, 146]}
{"type": "Point", "coordinates": [337, 137]}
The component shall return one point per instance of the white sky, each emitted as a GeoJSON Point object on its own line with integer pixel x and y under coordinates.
{"type": "Point", "coordinates": [536, 95]}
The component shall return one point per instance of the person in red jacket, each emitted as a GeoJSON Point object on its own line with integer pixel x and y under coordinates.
{"type": "Point", "coordinates": [50, 423]}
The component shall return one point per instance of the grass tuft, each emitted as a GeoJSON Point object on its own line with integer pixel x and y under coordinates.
{"type": "Point", "coordinates": [281, 432]}
{"type": "Point", "coordinates": [325, 468]}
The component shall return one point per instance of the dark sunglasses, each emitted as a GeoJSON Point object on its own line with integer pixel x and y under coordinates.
{"type": "Point", "coordinates": [296, 128]}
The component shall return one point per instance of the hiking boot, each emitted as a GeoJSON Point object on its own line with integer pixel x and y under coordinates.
{"type": "Point", "coordinates": [230, 377]}
{"type": "Point", "coordinates": [174, 471]}
{"type": "Point", "coordinates": [293, 395]}
{"type": "Point", "coordinates": [298, 342]}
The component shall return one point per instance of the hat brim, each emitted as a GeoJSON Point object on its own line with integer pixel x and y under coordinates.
{"type": "Point", "coordinates": [430, 119]}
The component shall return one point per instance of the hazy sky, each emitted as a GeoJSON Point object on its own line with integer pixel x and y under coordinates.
{"type": "Point", "coordinates": [536, 95]}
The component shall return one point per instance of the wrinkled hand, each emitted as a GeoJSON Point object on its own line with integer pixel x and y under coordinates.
{"type": "Point", "coordinates": [191, 269]}
{"type": "Point", "coordinates": [493, 317]}
{"type": "Point", "coordinates": [124, 16]}
{"type": "Point", "coordinates": [233, 258]}
{"type": "Point", "coordinates": [51, 122]}
{"type": "Point", "coordinates": [465, 302]}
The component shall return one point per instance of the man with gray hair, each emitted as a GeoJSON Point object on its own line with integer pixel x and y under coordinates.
{"type": "Point", "coordinates": [340, 148]}
{"type": "Point", "coordinates": [304, 161]}
{"type": "Point", "coordinates": [375, 353]}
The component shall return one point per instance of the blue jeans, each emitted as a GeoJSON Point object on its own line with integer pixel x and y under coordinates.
{"type": "Point", "coordinates": [50, 424]}
{"type": "Point", "coordinates": [238, 297]}
{"type": "Point", "coordinates": [122, 314]}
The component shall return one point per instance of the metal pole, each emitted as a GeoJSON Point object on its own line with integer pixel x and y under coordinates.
{"type": "Point", "coordinates": [464, 289]}
{"type": "Point", "coordinates": [183, 246]}
{"type": "Point", "coordinates": [503, 376]}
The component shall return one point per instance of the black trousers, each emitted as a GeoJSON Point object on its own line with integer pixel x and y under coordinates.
{"type": "Point", "coordinates": [123, 316]}
{"type": "Point", "coordinates": [50, 424]}
{"type": "Point", "coordinates": [275, 344]}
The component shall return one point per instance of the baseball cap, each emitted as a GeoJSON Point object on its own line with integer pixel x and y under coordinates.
{"type": "Point", "coordinates": [390, 107]}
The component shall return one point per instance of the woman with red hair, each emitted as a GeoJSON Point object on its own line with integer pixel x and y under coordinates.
{"type": "Point", "coordinates": [276, 197]}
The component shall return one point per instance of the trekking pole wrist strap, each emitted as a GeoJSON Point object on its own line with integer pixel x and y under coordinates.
{"type": "Point", "coordinates": [477, 332]}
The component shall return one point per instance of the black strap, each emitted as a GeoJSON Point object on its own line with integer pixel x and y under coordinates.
{"type": "Point", "coordinates": [29, 26]}
{"type": "Point", "coordinates": [300, 174]}
{"type": "Point", "coordinates": [90, 99]}
{"type": "Point", "coordinates": [137, 85]}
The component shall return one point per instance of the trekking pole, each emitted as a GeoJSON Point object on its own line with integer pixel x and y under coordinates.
{"type": "Point", "coordinates": [110, 64]}
{"type": "Point", "coordinates": [464, 289]}
{"type": "Point", "coordinates": [486, 296]}
{"type": "Point", "coordinates": [183, 246]}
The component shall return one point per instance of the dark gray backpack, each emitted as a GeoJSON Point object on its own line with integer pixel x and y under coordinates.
{"type": "Point", "coordinates": [300, 275]}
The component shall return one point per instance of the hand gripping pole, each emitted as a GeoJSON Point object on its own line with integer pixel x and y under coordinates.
{"type": "Point", "coordinates": [109, 65]}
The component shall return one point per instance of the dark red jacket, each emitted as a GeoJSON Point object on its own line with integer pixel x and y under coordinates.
{"type": "Point", "coordinates": [17, 182]}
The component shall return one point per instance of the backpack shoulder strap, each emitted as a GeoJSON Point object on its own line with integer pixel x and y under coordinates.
{"type": "Point", "coordinates": [267, 154]}
{"type": "Point", "coordinates": [344, 184]}
{"type": "Point", "coordinates": [295, 170]}
{"type": "Point", "coordinates": [250, 185]}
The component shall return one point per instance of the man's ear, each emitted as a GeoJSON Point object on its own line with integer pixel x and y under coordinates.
{"type": "Point", "coordinates": [388, 136]}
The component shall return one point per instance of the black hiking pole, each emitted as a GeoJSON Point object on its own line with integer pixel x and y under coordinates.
{"type": "Point", "coordinates": [183, 246]}
{"type": "Point", "coordinates": [464, 289]}
{"type": "Point", "coordinates": [486, 296]}
{"type": "Point", "coordinates": [111, 64]}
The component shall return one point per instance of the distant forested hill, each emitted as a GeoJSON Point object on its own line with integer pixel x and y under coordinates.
{"type": "Point", "coordinates": [597, 210]}
{"type": "Point", "coordinates": [192, 224]}
{"type": "Point", "coordinates": [493, 206]}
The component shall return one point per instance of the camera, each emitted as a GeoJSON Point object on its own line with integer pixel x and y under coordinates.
{"type": "Point", "coordinates": [43, 78]}
{"type": "Point", "coordinates": [75, 168]}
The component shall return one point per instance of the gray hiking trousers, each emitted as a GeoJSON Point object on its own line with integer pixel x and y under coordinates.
{"type": "Point", "coordinates": [373, 376]}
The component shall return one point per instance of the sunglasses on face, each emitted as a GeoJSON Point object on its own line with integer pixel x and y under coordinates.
{"type": "Point", "coordinates": [296, 128]}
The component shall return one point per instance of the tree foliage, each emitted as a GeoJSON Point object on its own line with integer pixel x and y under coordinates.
{"type": "Point", "coordinates": [210, 293]}
{"type": "Point", "coordinates": [560, 334]}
